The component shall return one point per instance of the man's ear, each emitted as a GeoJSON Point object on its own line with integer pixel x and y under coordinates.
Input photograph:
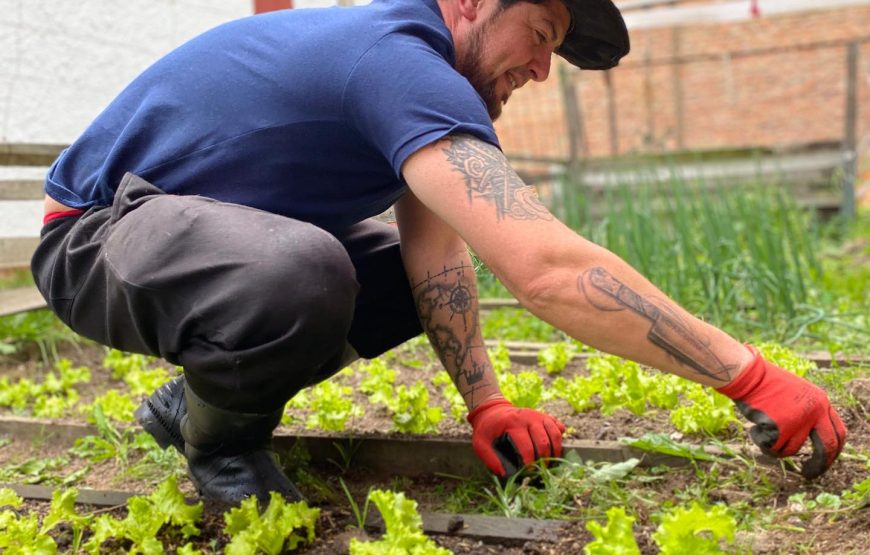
{"type": "Point", "coordinates": [470, 8]}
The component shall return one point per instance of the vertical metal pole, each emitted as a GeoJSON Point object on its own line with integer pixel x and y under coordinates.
{"type": "Point", "coordinates": [568, 207]}
{"type": "Point", "coordinates": [611, 114]}
{"type": "Point", "coordinates": [677, 80]}
{"type": "Point", "coordinates": [649, 97]}
{"type": "Point", "coordinates": [850, 132]}
{"type": "Point", "coordinates": [573, 116]}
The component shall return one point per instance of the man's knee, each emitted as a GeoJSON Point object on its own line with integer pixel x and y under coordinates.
{"type": "Point", "coordinates": [313, 278]}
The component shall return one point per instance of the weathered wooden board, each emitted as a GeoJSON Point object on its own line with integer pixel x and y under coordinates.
{"type": "Point", "coordinates": [15, 252]}
{"type": "Point", "coordinates": [401, 456]}
{"type": "Point", "coordinates": [479, 527]}
{"type": "Point", "coordinates": [25, 154]}
{"type": "Point", "coordinates": [493, 304]}
{"type": "Point", "coordinates": [98, 498]}
{"type": "Point", "coordinates": [21, 189]}
{"type": "Point", "coordinates": [20, 299]}
{"type": "Point", "coordinates": [482, 527]}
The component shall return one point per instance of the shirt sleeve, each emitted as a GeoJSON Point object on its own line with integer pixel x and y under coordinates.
{"type": "Point", "coordinates": [402, 95]}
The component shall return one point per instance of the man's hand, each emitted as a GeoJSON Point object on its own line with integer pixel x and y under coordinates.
{"type": "Point", "coordinates": [786, 409]}
{"type": "Point", "coordinates": [506, 437]}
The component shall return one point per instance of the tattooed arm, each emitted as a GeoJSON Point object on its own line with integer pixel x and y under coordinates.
{"type": "Point", "coordinates": [570, 282]}
{"type": "Point", "coordinates": [445, 292]}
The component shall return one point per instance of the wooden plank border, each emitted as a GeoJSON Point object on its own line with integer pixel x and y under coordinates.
{"type": "Point", "coordinates": [405, 456]}
{"type": "Point", "coordinates": [490, 529]}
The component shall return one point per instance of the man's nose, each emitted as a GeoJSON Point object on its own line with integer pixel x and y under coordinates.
{"type": "Point", "coordinates": [539, 67]}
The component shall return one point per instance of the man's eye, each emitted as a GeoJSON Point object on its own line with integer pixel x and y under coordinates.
{"type": "Point", "coordinates": [541, 38]}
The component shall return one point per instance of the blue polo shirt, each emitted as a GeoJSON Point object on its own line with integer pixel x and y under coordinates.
{"type": "Point", "coordinates": [305, 113]}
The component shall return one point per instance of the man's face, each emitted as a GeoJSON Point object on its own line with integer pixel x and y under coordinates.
{"type": "Point", "coordinates": [503, 49]}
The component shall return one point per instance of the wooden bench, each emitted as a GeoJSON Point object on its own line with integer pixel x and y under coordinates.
{"type": "Point", "coordinates": [16, 250]}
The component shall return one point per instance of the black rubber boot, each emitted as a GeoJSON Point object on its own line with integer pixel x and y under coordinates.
{"type": "Point", "coordinates": [160, 415]}
{"type": "Point", "coordinates": [229, 454]}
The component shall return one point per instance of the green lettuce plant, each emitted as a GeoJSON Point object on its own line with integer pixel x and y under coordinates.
{"type": "Point", "coordinates": [281, 527]}
{"type": "Point", "coordinates": [404, 529]}
{"type": "Point", "coordinates": [523, 389]}
{"type": "Point", "coordinates": [331, 406]}
{"type": "Point", "coordinates": [554, 358]}
{"type": "Point", "coordinates": [615, 537]}
{"type": "Point", "coordinates": [695, 530]}
{"type": "Point", "coordinates": [411, 410]}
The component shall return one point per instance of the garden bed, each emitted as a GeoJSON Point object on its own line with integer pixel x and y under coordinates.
{"type": "Point", "coordinates": [776, 510]}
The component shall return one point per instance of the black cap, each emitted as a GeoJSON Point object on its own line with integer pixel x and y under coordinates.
{"type": "Point", "coordinates": [597, 38]}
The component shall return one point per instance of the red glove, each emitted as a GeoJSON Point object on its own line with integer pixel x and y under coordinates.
{"type": "Point", "coordinates": [785, 410]}
{"type": "Point", "coordinates": [506, 438]}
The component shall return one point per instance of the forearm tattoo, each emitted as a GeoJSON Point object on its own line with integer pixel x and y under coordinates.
{"type": "Point", "coordinates": [668, 331]}
{"type": "Point", "coordinates": [447, 309]}
{"type": "Point", "coordinates": [488, 176]}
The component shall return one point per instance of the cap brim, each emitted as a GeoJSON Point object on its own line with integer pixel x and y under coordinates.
{"type": "Point", "coordinates": [598, 37]}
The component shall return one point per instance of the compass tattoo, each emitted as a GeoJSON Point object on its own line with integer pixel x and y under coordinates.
{"type": "Point", "coordinates": [447, 309]}
{"type": "Point", "coordinates": [488, 176]}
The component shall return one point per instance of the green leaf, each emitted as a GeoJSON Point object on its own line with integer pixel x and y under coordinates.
{"type": "Point", "coordinates": [404, 529]}
{"type": "Point", "coordinates": [21, 536]}
{"type": "Point", "coordinates": [614, 471]}
{"type": "Point", "coordinates": [169, 502]}
{"type": "Point", "coordinates": [8, 498]}
{"type": "Point", "coordinates": [274, 531]}
{"type": "Point", "coordinates": [114, 405]}
{"type": "Point", "coordinates": [188, 549]}
{"type": "Point", "coordinates": [786, 358]}
{"type": "Point", "coordinates": [63, 509]}
{"type": "Point", "coordinates": [577, 392]}
{"type": "Point", "coordinates": [411, 410]}
{"type": "Point", "coordinates": [554, 358]}
{"type": "Point", "coordinates": [142, 522]}
{"type": "Point", "coordinates": [661, 443]}
{"type": "Point", "coordinates": [708, 412]}
{"type": "Point", "coordinates": [524, 389]}
{"type": "Point", "coordinates": [103, 528]}
{"type": "Point", "coordinates": [332, 406]}
{"type": "Point", "coordinates": [695, 531]}
{"type": "Point", "coordinates": [614, 538]}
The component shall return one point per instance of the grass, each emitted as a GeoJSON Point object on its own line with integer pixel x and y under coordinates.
{"type": "Point", "coordinates": [11, 279]}
{"type": "Point", "coordinates": [38, 327]}
{"type": "Point", "coordinates": [744, 257]}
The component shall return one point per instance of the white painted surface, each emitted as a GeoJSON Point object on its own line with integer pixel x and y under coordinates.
{"type": "Point", "coordinates": [726, 12]}
{"type": "Point", "coordinates": [20, 218]}
{"type": "Point", "coordinates": [62, 61]}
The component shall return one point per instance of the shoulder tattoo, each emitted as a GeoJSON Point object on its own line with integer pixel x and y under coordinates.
{"type": "Point", "coordinates": [489, 177]}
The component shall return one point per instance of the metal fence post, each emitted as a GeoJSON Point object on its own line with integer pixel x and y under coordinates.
{"type": "Point", "coordinates": [850, 131]}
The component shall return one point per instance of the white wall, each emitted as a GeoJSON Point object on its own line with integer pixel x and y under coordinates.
{"type": "Point", "coordinates": [62, 61]}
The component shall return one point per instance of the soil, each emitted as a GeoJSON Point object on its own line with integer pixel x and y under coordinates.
{"type": "Point", "coordinates": [754, 489]}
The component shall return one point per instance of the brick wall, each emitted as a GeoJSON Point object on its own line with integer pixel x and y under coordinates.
{"type": "Point", "coordinates": [790, 92]}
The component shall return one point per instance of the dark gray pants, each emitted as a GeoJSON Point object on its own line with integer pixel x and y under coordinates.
{"type": "Point", "coordinates": [253, 305]}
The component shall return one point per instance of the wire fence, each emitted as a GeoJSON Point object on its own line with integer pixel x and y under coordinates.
{"type": "Point", "coordinates": [686, 95]}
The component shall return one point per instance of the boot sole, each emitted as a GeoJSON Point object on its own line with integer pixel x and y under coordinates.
{"type": "Point", "coordinates": [149, 418]}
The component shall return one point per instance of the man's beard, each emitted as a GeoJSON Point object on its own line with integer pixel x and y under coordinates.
{"type": "Point", "coordinates": [468, 65]}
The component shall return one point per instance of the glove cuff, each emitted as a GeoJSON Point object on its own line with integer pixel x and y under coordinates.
{"type": "Point", "coordinates": [483, 407]}
{"type": "Point", "coordinates": [742, 385]}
